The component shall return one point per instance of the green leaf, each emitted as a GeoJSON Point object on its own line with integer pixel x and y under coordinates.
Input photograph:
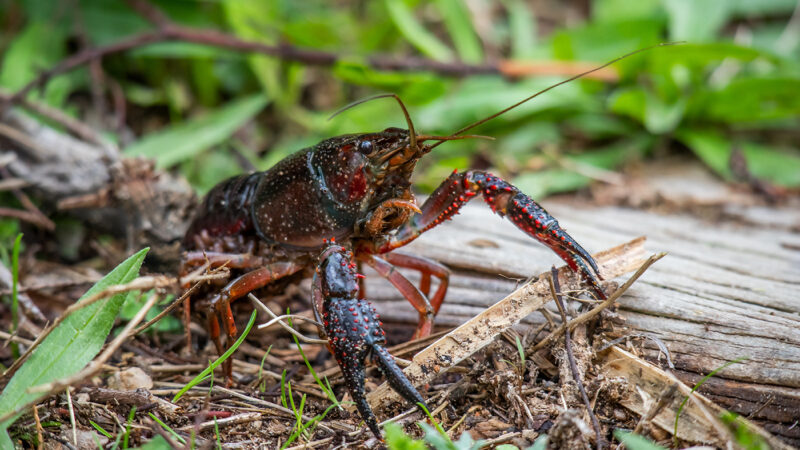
{"type": "Point", "coordinates": [72, 344]}
{"type": "Point", "coordinates": [618, 38]}
{"type": "Point", "coordinates": [696, 20]}
{"type": "Point", "coordinates": [696, 57]}
{"type": "Point", "coordinates": [540, 443]}
{"type": "Point", "coordinates": [208, 371]}
{"type": "Point", "coordinates": [764, 162]}
{"type": "Point", "coordinates": [749, 8]}
{"type": "Point", "coordinates": [157, 443]}
{"type": "Point", "coordinates": [256, 20]}
{"type": "Point", "coordinates": [522, 28]}
{"type": "Point", "coordinates": [38, 47]}
{"type": "Point", "coordinates": [540, 184]}
{"type": "Point", "coordinates": [755, 99]}
{"type": "Point", "coordinates": [415, 33]}
{"type": "Point", "coordinates": [183, 141]}
{"type": "Point", "coordinates": [656, 114]}
{"type": "Point", "coordinates": [396, 439]}
{"type": "Point", "coordinates": [636, 442]}
{"type": "Point", "coordinates": [712, 149]}
{"type": "Point", "coordinates": [744, 435]}
{"type": "Point", "coordinates": [619, 10]}
{"type": "Point", "coordinates": [458, 21]}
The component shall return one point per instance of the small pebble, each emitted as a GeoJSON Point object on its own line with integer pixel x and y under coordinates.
{"type": "Point", "coordinates": [130, 380]}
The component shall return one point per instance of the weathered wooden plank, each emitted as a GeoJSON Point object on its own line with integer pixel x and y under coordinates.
{"type": "Point", "coordinates": [727, 289]}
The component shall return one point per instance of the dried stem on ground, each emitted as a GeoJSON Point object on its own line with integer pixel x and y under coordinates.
{"type": "Point", "coordinates": [555, 291]}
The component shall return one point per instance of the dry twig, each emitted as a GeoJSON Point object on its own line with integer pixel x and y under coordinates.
{"type": "Point", "coordinates": [576, 375]}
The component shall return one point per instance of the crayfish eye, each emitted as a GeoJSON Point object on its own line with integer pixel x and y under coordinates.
{"type": "Point", "coordinates": [365, 146]}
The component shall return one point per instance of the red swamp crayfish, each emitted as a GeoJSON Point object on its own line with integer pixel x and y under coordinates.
{"type": "Point", "coordinates": [343, 202]}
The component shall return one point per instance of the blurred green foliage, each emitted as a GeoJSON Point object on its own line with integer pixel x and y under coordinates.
{"type": "Point", "coordinates": [211, 113]}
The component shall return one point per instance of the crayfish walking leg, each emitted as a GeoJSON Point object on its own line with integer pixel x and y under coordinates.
{"type": "Point", "coordinates": [353, 330]}
{"type": "Point", "coordinates": [505, 200]}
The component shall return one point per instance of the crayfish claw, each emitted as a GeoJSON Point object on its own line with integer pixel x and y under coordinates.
{"type": "Point", "coordinates": [395, 376]}
{"type": "Point", "coordinates": [354, 331]}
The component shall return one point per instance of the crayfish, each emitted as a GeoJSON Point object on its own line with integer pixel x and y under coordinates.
{"type": "Point", "coordinates": [343, 202]}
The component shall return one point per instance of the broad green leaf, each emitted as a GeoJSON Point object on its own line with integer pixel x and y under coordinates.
{"type": "Point", "coordinates": [256, 20]}
{"type": "Point", "coordinates": [711, 148]}
{"type": "Point", "coordinates": [458, 21]}
{"type": "Point", "coordinates": [755, 99]}
{"type": "Point", "coordinates": [620, 10]}
{"type": "Point", "coordinates": [696, 20]}
{"type": "Point", "coordinates": [636, 442]}
{"type": "Point", "coordinates": [71, 345]}
{"type": "Point", "coordinates": [396, 439]}
{"type": "Point", "coordinates": [183, 141]}
{"type": "Point", "coordinates": [749, 8]}
{"type": "Point", "coordinates": [764, 162]}
{"type": "Point", "coordinates": [778, 166]}
{"type": "Point", "coordinates": [415, 33]}
{"type": "Point", "coordinates": [522, 29]}
{"type": "Point", "coordinates": [745, 436]}
{"type": "Point", "coordinates": [658, 116]}
{"type": "Point", "coordinates": [478, 97]}
{"type": "Point", "coordinates": [540, 443]}
{"type": "Point", "coordinates": [540, 184]}
{"type": "Point", "coordinates": [697, 57]}
{"type": "Point", "coordinates": [411, 87]}
{"type": "Point", "coordinates": [38, 47]}
{"type": "Point", "coordinates": [157, 443]}
{"type": "Point", "coordinates": [618, 38]}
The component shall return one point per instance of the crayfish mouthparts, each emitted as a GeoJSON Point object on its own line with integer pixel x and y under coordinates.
{"type": "Point", "coordinates": [354, 332]}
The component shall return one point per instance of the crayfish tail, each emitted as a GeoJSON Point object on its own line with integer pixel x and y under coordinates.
{"type": "Point", "coordinates": [395, 376]}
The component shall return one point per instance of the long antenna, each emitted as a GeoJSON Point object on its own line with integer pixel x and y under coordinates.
{"type": "Point", "coordinates": [572, 78]}
{"type": "Point", "coordinates": [412, 134]}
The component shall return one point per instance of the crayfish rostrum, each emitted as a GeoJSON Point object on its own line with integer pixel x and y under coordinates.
{"type": "Point", "coordinates": [344, 201]}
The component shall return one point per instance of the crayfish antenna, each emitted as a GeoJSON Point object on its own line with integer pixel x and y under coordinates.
{"type": "Point", "coordinates": [553, 86]}
{"type": "Point", "coordinates": [412, 134]}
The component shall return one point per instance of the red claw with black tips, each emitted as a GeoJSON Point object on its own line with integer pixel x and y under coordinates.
{"type": "Point", "coordinates": [354, 331]}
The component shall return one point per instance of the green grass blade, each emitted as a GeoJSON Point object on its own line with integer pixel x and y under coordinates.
{"type": "Point", "coordinates": [127, 434]}
{"type": "Point", "coordinates": [415, 33]}
{"type": "Point", "coordinates": [697, 386]}
{"type": "Point", "coordinates": [522, 29]}
{"type": "Point", "coordinates": [101, 429]}
{"type": "Point", "coordinates": [157, 443]}
{"type": "Point", "coordinates": [14, 293]}
{"type": "Point", "coordinates": [311, 423]}
{"type": "Point", "coordinates": [635, 441]}
{"type": "Point", "coordinates": [167, 428]}
{"type": "Point", "coordinates": [208, 370]}
{"type": "Point", "coordinates": [71, 345]}
{"type": "Point", "coordinates": [325, 389]}
{"type": "Point", "coordinates": [458, 21]}
{"type": "Point", "coordinates": [184, 141]}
